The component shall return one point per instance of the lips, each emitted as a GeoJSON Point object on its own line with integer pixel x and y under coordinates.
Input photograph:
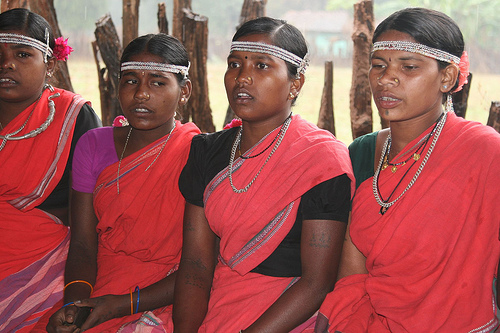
{"type": "Point", "coordinates": [387, 101]}
{"type": "Point", "coordinates": [5, 81]}
{"type": "Point", "coordinates": [242, 96]}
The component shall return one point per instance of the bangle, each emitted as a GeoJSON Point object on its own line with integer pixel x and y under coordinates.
{"type": "Point", "coordinates": [138, 294]}
{"type": "Point", "coordinates": [79, 281]}
{"type": "Point", "coordinates": [131, 302]}
{"type": "Point", "coordinates": [65, 305]}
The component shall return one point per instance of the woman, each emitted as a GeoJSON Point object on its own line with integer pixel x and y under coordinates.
{"type": "Point", "coordinates": [39, 127]}
{"type": "Point", "coordinates": [127, 208]}
{"type": "Point", "coordinates": [423, 247]}
{"type": "Point", "coordinates": [270, 198]}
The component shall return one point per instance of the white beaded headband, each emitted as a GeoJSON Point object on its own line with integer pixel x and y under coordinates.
{"type": "Point", "coordinates": [25, 40]}
{"type": "Point", "coordinates": [416, 48]}
{"type": "Point", "coordinates": [273, 50]}
{"type": "Point", "coordinates": [156, 66]}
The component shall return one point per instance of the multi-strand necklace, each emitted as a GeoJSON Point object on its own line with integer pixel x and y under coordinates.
{"type": "Point", "coordinates": [385, 203]}
{"type": "Point", "coordinates": [236, 144]}
{"type": "Point", "coordinates": [52, 111]}
{"type": "Point", "coordinates": [125, 147]}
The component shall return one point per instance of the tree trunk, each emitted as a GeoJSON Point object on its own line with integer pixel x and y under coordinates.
{"type": "Point", "coordinates": [360, 94]}
{"type": "Point", "coordinates": [162, 18]}
{"type": "Point", "coordinates": [250, 10]}
{"type": "Point", "coordinates": [108, 45]}
{"type": "Point", "coordinates": [194, 35]}
{"type": "Point", "coordinates": [326, 118]}
{"type": "Point", "coordinates": [460, 98]}
{"type": "Point", "coordinates": [177, 20]}
{"type": "Point", "coordinates": [130, 20]}
{"type": "Point", "coordinates": [494, 117]}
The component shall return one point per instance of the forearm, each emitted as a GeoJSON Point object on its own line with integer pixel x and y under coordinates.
{"type": "Point", "coordinates": [155, 296]}
{"type": "Point", "coordinates": [294, 307]}
{"type": "Point", "coordinates": [192, 292]}
{"type": "Point", "coordinates": [81, 265]}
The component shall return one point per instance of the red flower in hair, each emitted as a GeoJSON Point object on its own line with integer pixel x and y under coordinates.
{"type": "Point", "coordinates": [62, 50]}
{"type": "Point", "coordinates": [464, 71]}
{"type": "Point", "coordinates": [233, 123]}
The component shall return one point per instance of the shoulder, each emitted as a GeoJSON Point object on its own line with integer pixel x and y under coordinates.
{"type": "Point", "coordinates": [99, 134]}
{"type": "Point", "coordinates": [208, 141]}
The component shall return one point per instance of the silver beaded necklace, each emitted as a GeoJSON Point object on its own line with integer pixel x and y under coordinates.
{"type": "Point", "coordinates": [125, 147]}
{"type": "Point", "coordinates": [386, 204]}
{"type": "Point", "coordinates": [36, 131]}
{"type": "Point", "coordinates": [236, 143]}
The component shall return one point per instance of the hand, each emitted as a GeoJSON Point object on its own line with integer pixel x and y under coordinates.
{"type": "Point", "coordinates": [62, 320]}
{"type": "Point", "coordinates": [104, 308]}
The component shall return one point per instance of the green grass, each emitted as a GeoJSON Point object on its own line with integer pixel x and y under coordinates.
{"type": "Point", "coordinates": [485, 89]}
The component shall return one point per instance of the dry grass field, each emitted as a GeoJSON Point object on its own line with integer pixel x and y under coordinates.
{"type": "Point", "coordinates": [485, 89]}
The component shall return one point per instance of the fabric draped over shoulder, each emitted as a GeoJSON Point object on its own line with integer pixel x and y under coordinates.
{"type": "Point", "coordinates": [34, 243]}
{"type": "Point", "coordinates": [140, 229]}
{"type": "Point", "coordinates": [251, 225]}
{"type": "Point", "coordinates": [432, 256]}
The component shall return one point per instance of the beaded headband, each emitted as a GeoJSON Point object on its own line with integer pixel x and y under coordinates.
{"type": "Point", "coordinates": [156, 66]}
{"type": "Point", "coordinates": [416, 48]}
{"type": "Point", "coordinates": [25, 40]}
{"type": "Point", "coordinates": [273, 50]}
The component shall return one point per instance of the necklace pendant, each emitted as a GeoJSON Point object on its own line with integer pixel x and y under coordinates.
{"type": "Point", "coordinates": [384, 166]}
{"type": "Point", "coordinates": [383, 210]}
{"type": "Point", "coordinates": [416, 156]}
{"type": "Point", "coordinates": [394, 169]}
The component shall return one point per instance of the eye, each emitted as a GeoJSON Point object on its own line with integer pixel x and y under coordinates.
{"type": "Point", "coordinates": [233, 64]}
{"type": "Point", "coordinates": [157, 83]}
{"type": "Point", "coordinates": [410, 67]}
{"type": "Point", "coordinates": [23, 54]}
{"type": "Point", "coordinates": [262, 66]}
{"type": "Point", "coordinates": [131, 81]}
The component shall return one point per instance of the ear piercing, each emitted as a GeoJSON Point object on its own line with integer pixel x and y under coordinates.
{"type": "Point", "coordinates": [49, 74]}
{"type": "Point", "coordinates": [292, 96]}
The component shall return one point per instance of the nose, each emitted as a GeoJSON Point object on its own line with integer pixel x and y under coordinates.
{"type": "Point", "coordinates": [6, 60]}
{"type": "Point", "coordinates": [243, 77]}
{"type": "Point", "coordinates": [387, 77]}
{"type": "Point", "coordinates": [141, 93]}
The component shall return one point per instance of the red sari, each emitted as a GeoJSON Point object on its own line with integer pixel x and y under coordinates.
{"type": "Point", "coordinates": [33, 243]}
{"type": "Point", "coordinates": [251, 225]}
{"type": "Point", "coordinates": [432, 256]}
{"type": "Point", "coordinates": [140, 229]}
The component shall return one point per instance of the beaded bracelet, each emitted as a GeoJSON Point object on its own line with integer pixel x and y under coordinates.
{"type": "Point", "coordinates": [79, 281]}
{"type": "Point", "coordinates": [67, 304]}
{"type": "Point", "coordinates": [138, 290]}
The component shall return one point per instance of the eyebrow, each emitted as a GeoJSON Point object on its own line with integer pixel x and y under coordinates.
{"type": "Point", "coordinates": [253, 55]}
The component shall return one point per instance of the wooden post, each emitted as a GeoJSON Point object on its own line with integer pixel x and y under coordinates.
{"type": "Point", "coordinates": [192, 31]}
{"type": "Point", "coordinates": [494, 117]}
{"type": "Point", "coordinates": [360, 94]}
{"type": "Point", "coordinates": [10, 4]}
{"type": "Point", "coordinates": [326, 118]}
{"type": "Point", "coordinates": [250, 10]}
{"type": "Point", "coordinates": [110, 50]}
{"type": "Point", "coordinates": [460, 98]}
{"type": "Point", "coordinates": [162, 18]}
{"type": "Point", "coordinates": [177, 20]}
{"type": "Point", "coordinates": [130, 20]}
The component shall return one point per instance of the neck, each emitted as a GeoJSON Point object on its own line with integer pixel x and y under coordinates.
{"type": "Point", "coordinates": [253, 132]}
{"type": "Point", "coordinates": [10, 110]}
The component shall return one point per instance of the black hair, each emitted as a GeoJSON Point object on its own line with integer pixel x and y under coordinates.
{"type": "Point", "coordinates": [282, 34]}
{"type": "Point", "coordinates": [31, 24]}
{"type": "Point", "coordinates": [428, 27]}
{"type": "Point", "coordinates": [169, 48]}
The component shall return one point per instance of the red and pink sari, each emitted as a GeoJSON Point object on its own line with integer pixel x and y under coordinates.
{"type": "Point", "coordinates": [251, 225]}
{"type": "Point", "coordinates": [432, 256]}
{"type": "Point", "coordinates": [33, 243]}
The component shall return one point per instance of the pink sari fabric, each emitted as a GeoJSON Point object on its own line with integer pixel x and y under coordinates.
{"type": "Point", "coordinates": [432, 257]}
{"type": "Point", "coordinates": [251, 225]}
{"type": "Point", "coordinates": [33, 243]}
{"type": "Point", "coordinates": [140, 229]}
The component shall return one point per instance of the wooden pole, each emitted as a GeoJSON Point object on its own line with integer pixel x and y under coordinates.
{"type": "Point", "coordinates": [460, 98]}
{"type": "Point", "coordinates": [130, 20]}
{"type": "Point", "coordinates": [10, 4]}
{"type": "Point", "coordinates": [360, 94]}
{"type": "Point", "coordinates": [110, 50]}
{"type": "Point", "coordinates": [162, 18]}
{"type": "Point", "coordinates": [192, 30]}
{"type": "Point", "coordinates": [326, 118]}
{"type": "Point", "coordinates": [494, 117]}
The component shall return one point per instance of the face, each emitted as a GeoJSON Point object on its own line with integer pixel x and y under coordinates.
{"type": "Point", "coordinates": [405, 85]}
{"type": "Point", "coordinates": [150, 98]}
{"type": "Point", "coordinates": [22, 72]}
{"type": "Point", "coordinates": [258, 85]}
